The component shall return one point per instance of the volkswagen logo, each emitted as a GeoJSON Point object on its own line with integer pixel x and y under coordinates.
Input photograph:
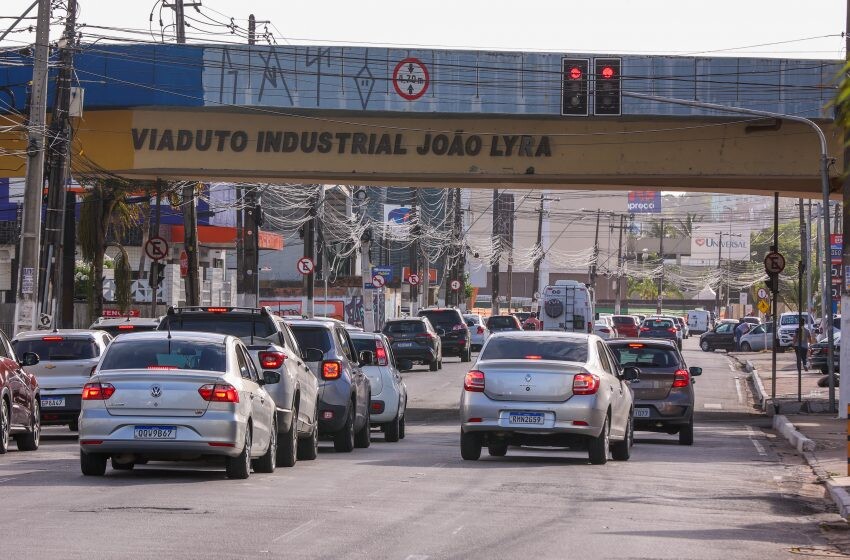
{"type": "Point", "coordinates": [156, 391]}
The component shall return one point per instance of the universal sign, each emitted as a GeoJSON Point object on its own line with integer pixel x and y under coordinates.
{"type": "Point", "coordinates": [729, 241]}
{"type": "Point", "coordinates": [644, 202]}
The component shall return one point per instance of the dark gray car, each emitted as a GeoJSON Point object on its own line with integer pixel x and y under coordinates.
{"type": "Point", "coordinates": [664, 396]}
{"type": "Point", "coordinates": [660, 327]}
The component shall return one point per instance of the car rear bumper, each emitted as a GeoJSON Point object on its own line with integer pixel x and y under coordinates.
{"type": "Point", "coordinates": [60, 415]}
{"type": "Point", "coordinates": [426, 355]}
{"type": "Point", "coordinates": [662, 414]}
{"type": "Point", "coordinates": [334, 423]}
{"type": "Point", "coordinates": [454, 348]}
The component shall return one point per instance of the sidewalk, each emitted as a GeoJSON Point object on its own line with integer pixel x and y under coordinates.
{"type": "Point", "coordinates": [819, 436]}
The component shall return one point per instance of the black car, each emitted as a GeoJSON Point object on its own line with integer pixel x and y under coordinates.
{"type": "Point", "coordinates": [660, 328]}
{"type": "Point", "coordinates": [818, 354]}
{"type": "Point", "coordinates": [499, 323]}
{"type": "Point", "coordinates": [414, 339]}
{"type": "Point", "coordinates": [454, 334]}
{"type": "Point", "coordinates": [721, 337]}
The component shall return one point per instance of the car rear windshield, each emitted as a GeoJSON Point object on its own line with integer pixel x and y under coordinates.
{"type": "Point", "coordinates": [624, 320]}
{"type": "Point", "coordinates": [658, 323]}
{"type": "Point", "coordinates": [404, 327]}
{"type": "Point", "coordinates": [364, 344]}
{"type": "Point", "coordinates": [312, 337]}
{"type": "Point", "coordinates": [535, 348]}
{"type": "Point", "coordinates": [447, 318]}
{"type": "Point", "coordinates": [58, 348]}
{"type": "Point", "coordinates": [161, 354]}
{"type": "Point", "coordinates": [236, 324]}
{"type": "Point", "coordinates": [502, 322]}
{"type": "Point", "coordinates": [645, 355]}
{"type": "Point", "coordinates": [472, 320]}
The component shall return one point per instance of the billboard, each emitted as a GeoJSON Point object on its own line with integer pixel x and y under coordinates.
{"type": "Point", "coordinates": [729, 241]}
{"type": "Point", "coordinates": [644, 202]}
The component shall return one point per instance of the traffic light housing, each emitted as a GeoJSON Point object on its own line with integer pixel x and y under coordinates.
{"type": "Point", "coordinates": [607, 92]}
{"type": "Point", "coordinates": [574, 92]}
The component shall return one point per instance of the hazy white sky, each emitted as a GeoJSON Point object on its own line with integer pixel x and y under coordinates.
{"type": "Point", "coordinates": [614, 26]}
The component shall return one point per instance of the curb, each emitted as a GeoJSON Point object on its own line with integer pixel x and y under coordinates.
{"type": "Point", "coordinates": [838, 492]}
{"type": "Point", "coordinates": [760, 394]}
{"type": "Point", "coordinates": [800, 442]}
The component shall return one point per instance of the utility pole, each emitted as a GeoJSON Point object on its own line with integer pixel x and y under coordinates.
{"type": "Point", "coordinates": [720, 280]}
{"type": "Point", "coordinates": [190, 241]}
{"type": "Point", "coordinates": [240, 212]}
{"type": "Point", "coordinates": [460, 296]}
{"type": "Point", "coordinates": [801, 269]}
{"type": "Point", "coordinates": [496, 234]}
{"type": "Point", "coordinates": [310, 253]}
{"type": "Point", "coordinates": [413, 256]}
{"type": "Point", "coordinates": [153, 281]}
{"type": "Point", "coordinates": [619, 267]}
{"type": "Point", "coordinates": [594, 265]}
{"type": "Point", "coordinates": [511, 213]}
{"type": "Point", "coordinates": [25, 304]}
{"type": "Point", "coordinates": [809, 295]}
{"type": "Point", "coordinates": [661, 278]}
{"type": "Point", "coordinates": [538, 249]}
{"type": "Point", "coordinates": [425, 277]}
{"type": "Point", "coordinates": [251, 248]}
{"type": "Point", "coordinates": [844, 391]}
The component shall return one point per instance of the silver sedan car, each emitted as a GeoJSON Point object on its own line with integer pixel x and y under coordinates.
{"type": "Point", "coordinates": [547, 389]}
{"type": "Point", "coordinates": [178, 396]}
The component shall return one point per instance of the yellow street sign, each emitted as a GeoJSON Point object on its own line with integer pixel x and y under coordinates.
{"type": "Point", "coordinates": [763, 306]}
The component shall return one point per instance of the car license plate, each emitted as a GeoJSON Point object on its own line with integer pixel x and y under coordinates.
{"type": "Point", "coordinates": [405, 345]}
{"type": "Point", "coordinates": [155, 432]}
{"type": "Point", "coordinates": [641, 413]}
{"type": "Point", "coordinates": [52, 402]}
{"type": "Point", "coordinates": [525, 418]}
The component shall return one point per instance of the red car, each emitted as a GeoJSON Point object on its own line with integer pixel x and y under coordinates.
{"type": "Point", "coordinates": [626, 325]}
{"type": "Point", "coordinates": [19, 400]}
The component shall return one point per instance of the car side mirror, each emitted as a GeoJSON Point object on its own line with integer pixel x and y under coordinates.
{"type": "Point", "coordinates": [313, 355]}
{"type": "Point", "coordinates": [367, 358]}
{"type": "Point", "coordinates": [404, 365]}
{"type": "Point", "coordinates": [631, 373]}
{"type": "Point", "coordinates": [270, 377]}
{"type": "Point", "coordinates": [695, 371]}
{"type": "Point", "coordinates": [29, 359]}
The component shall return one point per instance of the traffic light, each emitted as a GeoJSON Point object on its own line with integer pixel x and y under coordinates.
{"type": "Point", "coordinates": [574, 93]}
{"type": "Point", "coordinates": [607, 93]}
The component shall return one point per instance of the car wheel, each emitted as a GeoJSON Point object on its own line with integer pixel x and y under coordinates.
{"type": "Point", "coordinates": [434, 366]}
{"type": "Point", "coordinates": [74, 426]}
{"type": "Point", "coordinates": [466, 356]}
{"type": "Point", "coordinates": [401, 428]}
{"type": "Point", "coordinates": [344, 439]}
{"type": "Point", "coordinates": [4, 427]}
{"type": "Point", "coordinates": [600, 446]}
{"type": "Point", "coordinates": [440, 364]}
{"type": "Point", "coordinates": [392, 429]}
{"type": "Point", "coordinates": [30, 440]}
{"type": "Point", "coordinates": [268, 462]}
{"type": "Point", "coordinates": [93, 464]}
{"type": "Point", "coordinates": [240, 466]}
{"type": "Point", "coordinates": [363, 438]}
{"type": "Point", "coordinates": [679, 344]}
{"type": "Point", "coordinates": [308, 449]}
{"type": "Point", "coordinates": [287, 448]}
{"type": "Point", "coordinates": [745, 347]}
{"type": "Point", "coordinates": [116, 466]}
{"type": "Point", "coordinates": [470, 446]}
{"type": "Point", "coordinates": [686, 433]}
{"type": "Point", "coordinates": [622, 450]}
{"type": "Point", "coordinates": [705, 346]}
{"type": "Point", "coordinates": [498, 450]}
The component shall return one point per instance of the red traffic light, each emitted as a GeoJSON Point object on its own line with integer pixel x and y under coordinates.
{"type": "Point", "coordinates": [607, 72]}
{"type": "Point", "coordinates": [575, 73]}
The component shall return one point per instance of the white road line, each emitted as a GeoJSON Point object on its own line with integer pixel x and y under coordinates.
{"type": "Point", "coordinates": [738, 389]}
{"type": "Point", "coordinates": [456, 531]}
{"type": "Point", "coordinates": [759, 448]}
{"type": "Point", "coordinates": [2, 480]}
{"type": "Point", "coordinates": [303, 528]}
{"type": "Point", "coordinates": [713, 406]}
{"type": "Point", "coordinates": [417, 557]}
{"type": "Point", "coordinates": [438, 465]}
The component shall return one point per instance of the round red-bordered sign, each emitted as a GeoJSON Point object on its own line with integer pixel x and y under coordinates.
{"type": "Point", "coordinates": [305, 265]}
{"type": "Point", "coordinates": [413, 279]}
{"type": "Point", "coordinates": [455, 285]}
{"type": "Point", "coordinates": [411, 79]}
{"type": "Point", "coordinates": [378, 281]}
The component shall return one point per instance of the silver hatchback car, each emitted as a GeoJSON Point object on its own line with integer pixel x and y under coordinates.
{"type": "Point", "coordinates": [178, 396]}
{"type": "Point", "coordinates": [547, 389]}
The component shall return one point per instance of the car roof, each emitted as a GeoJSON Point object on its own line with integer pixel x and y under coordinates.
{"type": "Point", "coordinates": [364, 335]}
{"type": "Point", "coordinates": [398, 319]}
{"type": "Point", "coordinates": [59, 332]}
{"type": "Point", "coordinates": [113, 321]}
{"type": "Point", "coordinates": [177, 335]}
{"type": "Point", "coordinates": [326, 322]}
{"type": "Point", "coordinates": [544, 334]}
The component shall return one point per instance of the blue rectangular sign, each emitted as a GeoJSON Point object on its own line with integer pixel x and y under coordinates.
{"type": "Point", "coordinates": [644, 202]}
{"type": "Point", "coordinates": [385, 271]}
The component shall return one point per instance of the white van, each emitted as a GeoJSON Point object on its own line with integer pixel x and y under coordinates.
{"type": "Point", "coordinates": [699, 321]}
{"type": "Point", "coordinates": [567, 306]}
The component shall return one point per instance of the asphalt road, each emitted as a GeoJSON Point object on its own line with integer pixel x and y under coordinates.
{"type": "Point", "coordinates": [737, 493]}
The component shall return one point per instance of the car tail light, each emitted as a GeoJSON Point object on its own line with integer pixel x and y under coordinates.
{"type": "Point", "coordinates": [585, 384]}
{"type": "Point", "coordinates": [219, 393]}
{"type": "Point", "coordinates": [579, 423]}
{"type": "Point", "coordinates": [635, 345]}
{"type": "Point", "coordinates": [381, 353]}
{"type": "Point", "coordinates": [644, 329]}
{"type": "Point", "coordinates": [474, 381]}
{"type": "Point", "coordinates": [475, 420]}
{"type": "Point", "coordinates": [271, 360]}
{"type": "Point", "coordinates": [161, 368]}
{"type": "Point", "coordinates": [534, 357]}
{"type": "Point", "coordinates": [681, 378]}
{"type": "Point", "coordinates": [125, 327]}
{"type": "Point", "coordinates": [331, 369]}
{"type": "Point", "coordinates": [426, 336]}
{"type": "Point", "coordinates": [52, 338]}
{"type": "Point", "coordinates": [480, 330]}
{"type": "Point", "coordinates": [91, 441]}
{"type": "Point", "coordinates": [377, 407]}
{"type": "Point", "coordinates": [97, 391]}
{"type": "Point", "coordinates": [217, 310]}
{"type": "Point", "coordinates": [461, 341]}
{"type": "Point", "coordinates": [672, 330]}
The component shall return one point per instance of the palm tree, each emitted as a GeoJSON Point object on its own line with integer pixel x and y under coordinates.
{"type": "Point", "coordinates": [685, 226]}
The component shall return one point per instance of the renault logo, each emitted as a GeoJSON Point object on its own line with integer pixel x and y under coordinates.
{"type": "Point", "coordinates": [156, 391]}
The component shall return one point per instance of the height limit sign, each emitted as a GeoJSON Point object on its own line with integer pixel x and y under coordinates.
{"type": "Point", "coordinates": [411, 79]}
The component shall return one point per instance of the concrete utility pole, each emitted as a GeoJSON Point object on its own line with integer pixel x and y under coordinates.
{"type": "Point", "coordinates": [535, 278]}
{"type": "Point", "coordinates": [809, 295]}
{"type": "Point", "coordinates": [801, 269]}
{"type": "Point", "coordinates": [511, 213]}
{"type": "Point", "coordinates": [190, 241]}
{"type": "Point", "coordinates": [496, 234]}
{"type": "Point", "coordinates": [720, 282]}
{"type": "Point", "coordinates": [25, 304]}
{"type": "Point", "coordinates": [413, 255]}
{"type": "Point", "coordinates": [251, 249]}
{"type": "Point", "coordinates": [153, 281]}
{"type": "Point", "coordinates": [310, 252]}
{"type": "Point", "coordinates": [460, 296]}
{"type": "Point", "coordinates": [661, 278]}
{"type": "Point", "coordinates": [594, 265]}
{"type": "Point", "coordinates": [619, 267]}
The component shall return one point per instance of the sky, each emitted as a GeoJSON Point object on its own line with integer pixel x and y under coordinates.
{"type": "Point", "coordinates": [757, 28]}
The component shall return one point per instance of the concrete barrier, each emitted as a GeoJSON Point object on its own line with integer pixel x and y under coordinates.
{"type": "Point", "coordinates": [800, 442]}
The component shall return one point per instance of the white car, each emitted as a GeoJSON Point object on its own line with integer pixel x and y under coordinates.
{"type": "Point", "coordinates": [478, 332]}
{"type": "Point", "coordinates": [178, 396]}
{"type": "Point", "coordinates": [604, 329]}
{"type": "Point", "coordinates": [388, 401]}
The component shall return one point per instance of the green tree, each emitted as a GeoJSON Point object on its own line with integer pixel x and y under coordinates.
{"type": "Point", "coordinates": [789, 246]}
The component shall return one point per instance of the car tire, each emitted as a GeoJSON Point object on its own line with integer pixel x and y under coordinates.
{"type": "Point", "coordinates": [30, 440]}
{"type": "Point", "coordinates": [599, 447]}
{"type": "Point", "coordinates": [308, 449]}
{"type": "Point", "coordinates": [745, 347]}
{"type": "Point", "coordinates": [622, 450]}
{"type": "Point", "coordinates": [466, 355]}
{"type": "Point", "coordinates": [401, 428]}
{"type": "Point", "coordinates": [116, 466]}
{"type": "Point", "coordinates": [434, 366]}
{"type": "Point", "coordinates": [287, 447]}
{"type": "Point", "coordinates": [392, 430]}
{"type": "Point", "coordinates": [363, 438]}
{"type": "Point", "coordinates": [705, 346]}
{"type": "Point", "coordinates": [686, 433]}
{"type": "Point", "coordinates": [268, 462]}
{"type": "Point", "coordinates": [93, 464]}
{"type": "Point", "coordinates": [5, 427]}
{"type": "Point", "coordinates": [440, 364]}
{"type": "Point", "coordinates": [344, 439]}
{"type": "Point", "coordinates": [239, 467]}
{"type": "Point", "coordinates": [470, 446]}
{"type": "Point", "coordinates": [498, 450]}
{"type": "Point", "coordinates": [679, 344]}
{"type": "Point", "coordinates": [74, 426]}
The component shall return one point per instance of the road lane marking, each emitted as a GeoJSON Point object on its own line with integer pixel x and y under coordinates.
{"type": "Point", "coordinates": [713, 406]}
{"type": "Point", "coordinates": [759, 447]}
{"type": "Point", "coordinates": [417, 557]}
{"type": "Point", "coordinates": [303, 528]}
{"type": "Point", "coordinates": [438, 465]}
{"type": "Point", "coordinates": [456, 531]}
{"type": "Point", "coordinates": [738, 389]}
